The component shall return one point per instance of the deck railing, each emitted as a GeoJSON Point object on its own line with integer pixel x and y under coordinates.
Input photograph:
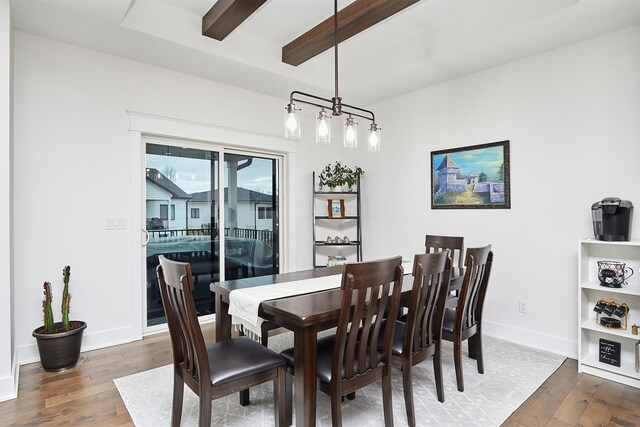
{"type": "Point", "coordinates": [246, 233]}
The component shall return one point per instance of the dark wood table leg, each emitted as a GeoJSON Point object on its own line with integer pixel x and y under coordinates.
{"type": "Point", "coordinates": [223, 320]}
{"type": "Point", "coordinates": [305, 355]}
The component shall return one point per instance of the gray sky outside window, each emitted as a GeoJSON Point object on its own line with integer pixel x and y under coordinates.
{"type": "Point", "coordinates": [193, 175]}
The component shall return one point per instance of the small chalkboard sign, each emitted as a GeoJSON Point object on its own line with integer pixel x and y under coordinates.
{"type": "Point", "coordinates": [610, 352]}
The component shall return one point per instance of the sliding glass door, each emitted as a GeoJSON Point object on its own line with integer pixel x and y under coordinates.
{"type": "Point", "coordinates": [251, 206]}
{"type": "Point", "coordinates": [185, 222]}
{"type": "Point", "coordinates": [182, 220]}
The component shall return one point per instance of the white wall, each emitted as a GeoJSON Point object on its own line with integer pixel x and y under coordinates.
{"type": "Point", "coordinates": [573, 118]}
{"type": "Point", "coordinates": [564, 111]}
{"type": "Point", "coordinates": [72, 140]}
{"type": "Point", "coordinates": [8, 360]}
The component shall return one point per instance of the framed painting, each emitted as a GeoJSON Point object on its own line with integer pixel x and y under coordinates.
{"type": "Point", "coordinates": [473, 177]}
{"type": "Point", "coordinates": [336, 208]}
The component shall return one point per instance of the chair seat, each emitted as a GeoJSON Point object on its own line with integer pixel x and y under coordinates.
{"type": "Point", "coordinates": [455, 283]}
{"type": "Point", "coordinates": [239, 358]}
{"type": "Point", "coordinates": [398, 337]}
{"type": "Point", "coordinates": [323, 343]}
{"type": "Point", "coordinates": [449, 320]}
{"type": "Point", "coordinates": [325, 358]}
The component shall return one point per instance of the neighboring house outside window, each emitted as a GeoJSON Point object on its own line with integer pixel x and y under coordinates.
{"type": "Point", "coordinates": [164, 211]}
{"type": "Point", "coordinates": [265, 212]}
{"type": "Point", "coordinates": [195, 212]}
{"type": "Point", "coordinates": [173, 212]}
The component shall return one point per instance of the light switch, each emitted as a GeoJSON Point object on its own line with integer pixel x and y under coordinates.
{"type": "Point", "coordinates": [114, 223]}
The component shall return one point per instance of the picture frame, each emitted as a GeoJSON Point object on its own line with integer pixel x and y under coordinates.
{"type": "Point", "coordinates": [472, 177]}
{"type": "Point", "coordinates": [336, 208]}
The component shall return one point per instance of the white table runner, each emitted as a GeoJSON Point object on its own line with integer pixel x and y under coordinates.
{"type": "Point", "coordinates": [244, 303]}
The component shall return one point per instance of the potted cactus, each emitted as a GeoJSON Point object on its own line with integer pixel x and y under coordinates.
{"type": "Point", "coordinates": [59, 342]}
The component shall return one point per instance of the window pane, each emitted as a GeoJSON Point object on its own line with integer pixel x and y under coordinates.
{"type": "Point", "coordinates": [251, 206]}
{"type": "Point", "coordinates": [164, 212]}
{"type": "Point", "coordinates": [184, 179]}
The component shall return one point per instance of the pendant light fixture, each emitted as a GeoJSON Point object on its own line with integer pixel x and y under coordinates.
{"type": "Point", "coordinates": [337, 108]}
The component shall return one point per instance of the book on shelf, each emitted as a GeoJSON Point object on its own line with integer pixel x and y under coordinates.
{"type": "Point", "coordinates": [334, 260]}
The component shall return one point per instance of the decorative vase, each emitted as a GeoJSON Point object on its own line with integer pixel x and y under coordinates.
{"type": "Point", "coordinates": [59, 351]}
{"type": "Point", "coordinates": [346, 188]}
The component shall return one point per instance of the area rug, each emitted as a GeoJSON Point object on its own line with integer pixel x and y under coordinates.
{"type": "Point", "coordinates": [512, 374]}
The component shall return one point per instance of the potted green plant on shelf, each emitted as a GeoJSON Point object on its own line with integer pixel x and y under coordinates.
{"type": "Point", "coordinates": [339, 175]}
{"type": "Point", "coordinates": [59, 342]}
{"type": "Point", "coordinates": [331, 176]}
{"type": "Point", "coordinates": [351, 177]}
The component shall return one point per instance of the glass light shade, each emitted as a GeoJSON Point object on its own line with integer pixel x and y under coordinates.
{"type": "Point", "coordinates": [373, 138]}
{"type": "Point", "coordinates": [323, 128]}
{"type": "Point", "coordinates": [350, 133]}
{"type": "Point", "coordinates": [291, 123]}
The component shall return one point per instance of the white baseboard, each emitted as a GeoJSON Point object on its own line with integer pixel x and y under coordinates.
{"type": "Point", "coordinates": [90, 341]}
{"type": "Point", "coordinates": [529, 338]}
{"type": "Point", "coordinates": [9, 384]}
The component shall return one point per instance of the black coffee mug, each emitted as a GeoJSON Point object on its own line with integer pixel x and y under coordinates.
{"type": "Point", "coordinates": [598, 307]}
{"type": "Point", "coordinates": [620, 311]}
{"type": "Point", "coordinates": [609, 309]}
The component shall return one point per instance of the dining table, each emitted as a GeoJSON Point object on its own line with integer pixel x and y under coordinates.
{"type": "Point", "coordinates": [305, 315]}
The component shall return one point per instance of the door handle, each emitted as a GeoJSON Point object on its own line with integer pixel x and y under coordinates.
{"type": "Point", "coordinates": [146, 237]}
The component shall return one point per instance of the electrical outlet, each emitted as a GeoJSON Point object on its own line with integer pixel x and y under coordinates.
{"type": "Point", "coordinates": [523, 306]}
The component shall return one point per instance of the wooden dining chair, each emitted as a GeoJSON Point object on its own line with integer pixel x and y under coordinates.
{"type": "Point", "coordinates": [419, 338]}
{"type": "Point", "coordinates": [465, 321]}
{"type": "Point", "coordinates": [350, 359]}
{"type": "Point", "coordinates": [435, 244]}
{"type": "Point", "coordinates": [214, 370]}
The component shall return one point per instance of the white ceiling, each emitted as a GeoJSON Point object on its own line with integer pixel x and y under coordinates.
{"type": "Point", "coordinates": [428, 43]}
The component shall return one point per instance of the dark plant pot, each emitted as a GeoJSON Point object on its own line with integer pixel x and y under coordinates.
{"type": "Point", "coordinates": [61, 350]}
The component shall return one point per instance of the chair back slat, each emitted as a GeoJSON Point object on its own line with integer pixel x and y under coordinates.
{"type": "Point", "coordinates": [428, 296]}
{"type": "Point", "coordinates": [377, 303]}
{"type": "Point", "coordinates": [352, 338]}
{"type": "Point", "coordinates": [189, 351]}
{"type": "Point", "coordinates": [435, 244]}
{"type": "Point", "coordinates": [375, 288]}
{"type": "Point", "coordinates": [477, 271]}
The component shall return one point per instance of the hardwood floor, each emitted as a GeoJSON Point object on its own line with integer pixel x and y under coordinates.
{"type": "Point", "coordinates": [87, 395]}
{"type": "Point", "coordinates": [568, 398]}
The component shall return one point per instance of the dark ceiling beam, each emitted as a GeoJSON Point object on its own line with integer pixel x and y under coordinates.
{"type": "Point", "coordinates": [356, 17]}
{"type": "Point", "coordinates": [226, 15]}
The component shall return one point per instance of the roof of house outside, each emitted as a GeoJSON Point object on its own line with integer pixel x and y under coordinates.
{"type": "Point", "coordinates": [157, 178]}
{"type": "Point", "coordinates": [244, 195]}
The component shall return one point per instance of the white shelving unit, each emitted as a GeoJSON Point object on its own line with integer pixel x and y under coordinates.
{"type": "Point", "coordinates": [590, 251]}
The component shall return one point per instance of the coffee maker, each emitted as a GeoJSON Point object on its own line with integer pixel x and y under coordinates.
{"type": "Point", "coordinates": [612, 219]}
